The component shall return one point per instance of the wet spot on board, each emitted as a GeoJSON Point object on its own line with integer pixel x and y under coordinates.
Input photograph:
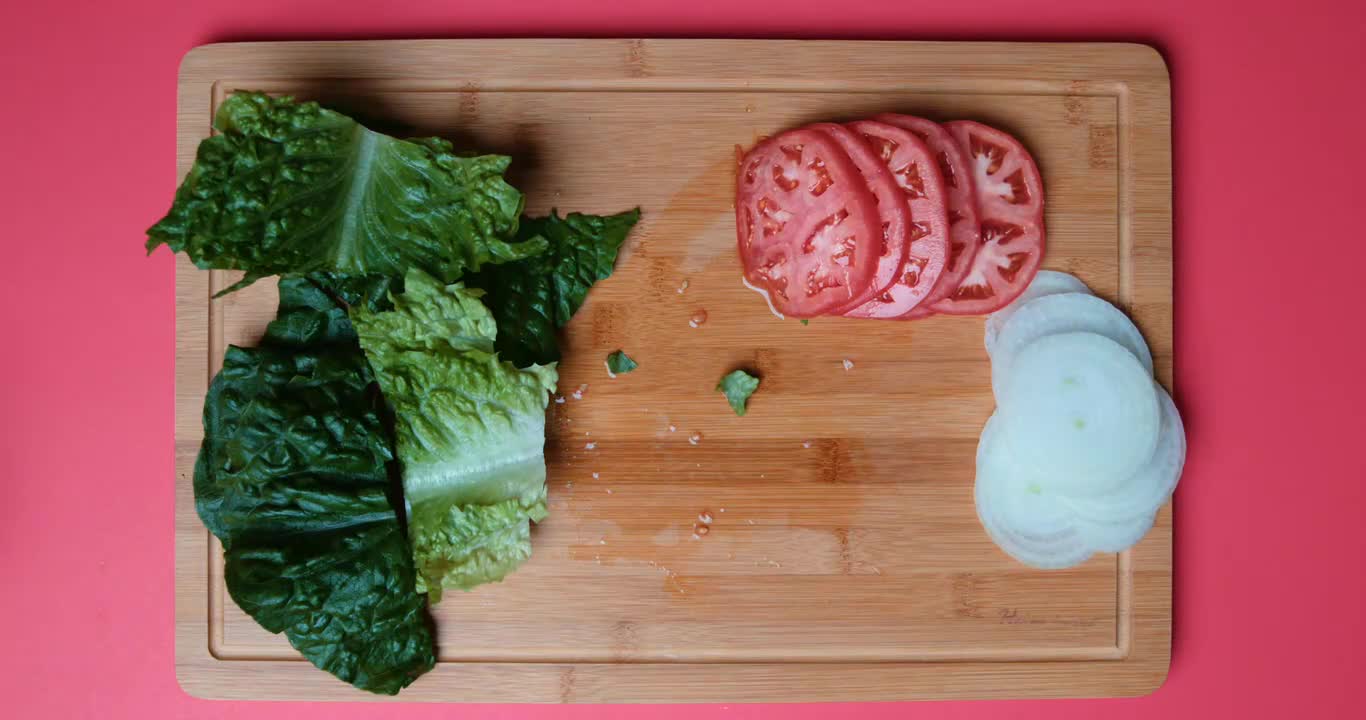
{"type": "Point", "coordinates": [1102, 147]}
{"type": "Point", "coordinates": [625, 643]}
{"type": "Point", "coordinates": [836, 464]}
{"type": "Point", "coordinates": [567, 685]}
{"type": "Point", "coordinates": [609, 323]}
{"type": "Point", "coordinates": [1073, 110]}
{"type": "Point", "coordinates": [637, 59]}
{"type": "Point", "coordinates": [469, 100]}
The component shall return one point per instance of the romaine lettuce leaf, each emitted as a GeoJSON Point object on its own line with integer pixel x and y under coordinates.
{"type": "Point", "coordinates": [293, 188]}
{"type": "Point", "coordinates": [533, 298]}
{"type": "Point", "coordinates": [293, 477]}
{"type": "Point", "coordinates": [470, 432]}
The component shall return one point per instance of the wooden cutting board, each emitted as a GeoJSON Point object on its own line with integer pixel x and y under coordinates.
{"type": "Point", "coordinates": [844, 560]}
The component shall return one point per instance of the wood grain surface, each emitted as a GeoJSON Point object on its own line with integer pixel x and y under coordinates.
{"type": "Point", "coordinates": [844, 560]}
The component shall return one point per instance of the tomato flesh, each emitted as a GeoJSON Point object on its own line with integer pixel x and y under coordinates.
{"type": "Point", "coordinates": [893, 211]}
{"type": "Point", "coordinates": [807, 226]}
{"type": "Point", "coordinates": [1009, 193]}
{"type": "Point", "coordinates": [921, 187]}
{"type": "Point", "coordinates": [960, 205]}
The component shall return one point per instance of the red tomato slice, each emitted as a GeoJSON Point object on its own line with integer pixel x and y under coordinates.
{"type": "Point", "coordinates": [1009, 194]}
{"type": "Point", "coordinates": [921, 186]}
{"type": "Point", "coordinates": [808, 228]}
{"type": "Point", "coordinates": [891, 207]}
{"type": "Point", "coordinates": [960, 204]}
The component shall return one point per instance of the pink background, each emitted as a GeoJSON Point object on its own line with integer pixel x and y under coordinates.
{"type": "Point", "coordinates": [1269, 99]}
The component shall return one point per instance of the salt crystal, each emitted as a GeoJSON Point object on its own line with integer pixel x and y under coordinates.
{"type": "Point", "coordinates": [848, 364]}
{"type": "Point", "coordinates": [590, 446]}
{"type": "Point", "coordinates": [595, 476]}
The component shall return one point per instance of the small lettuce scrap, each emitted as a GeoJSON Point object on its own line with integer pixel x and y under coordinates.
{"type": "Point", "coordinates": [293, 188]}
{"type": "Point", "coordinates": [293, 478]}
{"type": "Point", "coordinates": [532, 299]}
{"type": "Point", "coordinates": [619, 362]}
{"type": "Point", "coordinates": [737, 386]}
{"type": "Point", "coordinates": [470, 432]}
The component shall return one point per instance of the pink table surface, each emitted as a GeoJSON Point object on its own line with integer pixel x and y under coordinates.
{"type": "Point", "coordinates": [1270, 248]}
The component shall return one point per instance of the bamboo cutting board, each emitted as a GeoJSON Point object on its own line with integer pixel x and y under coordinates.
{"type": "Point", "coordinates": [844, 560]}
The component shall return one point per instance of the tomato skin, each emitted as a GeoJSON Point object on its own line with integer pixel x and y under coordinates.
{"type": "Point", "coordinates": [893, 211]}
{"type": "Point", "coordinates": [920, 185]}
{"type": "Point", "coordinates": [1010, 204]}
{"type": "Point", "coordinates": [960, 202]}
{"type": "Point", "coordinates": [807, 227]}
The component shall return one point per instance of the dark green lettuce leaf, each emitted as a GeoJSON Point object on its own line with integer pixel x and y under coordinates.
{"type": "Point", "coordinates": [619, 362]}
{"type": "Point", "coordinates": [533, 298]}
{"type": "Point", "coordinates": [344, 599]}
{"type": "Point", "coordinates": [288, 187]}
{"type": "Point", "coordinates": [313, 308]}
{"type": "Point", "coordinates": [293, 477]}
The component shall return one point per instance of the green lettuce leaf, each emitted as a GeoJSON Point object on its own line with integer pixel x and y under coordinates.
{"type": "Point", "coordinates": [533, 298]}
{"type": "Point", "coordinates": [313, 308]}
{"type": "Point", "coordinates": [619, 362]}
{"type": "Point", "coordinates": [737, 387]}
{"type": "Point", "coordinates": [470, 431]}
{"type": "Point", "coordinates": [288, 187]}
{"type": "Point", "coordinates": [293, 477]}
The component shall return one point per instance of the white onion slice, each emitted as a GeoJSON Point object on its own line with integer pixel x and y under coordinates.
{"type": "Point", "coordinates": [1046, 282]}
{"type": "Point", "coordinates": [1079, 413]}
{"type": "Point", "coordinates": [1114, 537]}
{"type": "Point", "coordinates": [1063, 313]}
{"type": "Point", "coordinates": [1021, 517]}
{"type": "Point", "coordinates": [1148, 489]}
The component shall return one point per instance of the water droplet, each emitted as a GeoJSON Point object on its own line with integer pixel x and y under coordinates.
{"type": "Point", "coordinates": [589, 446]}
{"type": "Point", "coordinates": [704, 517]}
{"type": "Point", "coordinates": [595, 476]}
{"type": "Point", "coordinates": [848, 364]}
{"type": "Point", "coordinates": [559, 399]}
{"type": "Point", "coordinates": [673, 428]}
{"type": "Point", "coordinates": [701, 530]}
{"type": "Point", "coordinates": [697, 319]}
{"type": "Point", "coordinates": [609, 491]}
{"type": "Point", "coordinates": [683, 287]}
{"type": "Point", "coordinates": [806, 444]}
{"type": "Point", "coordinates": [695, 438]}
